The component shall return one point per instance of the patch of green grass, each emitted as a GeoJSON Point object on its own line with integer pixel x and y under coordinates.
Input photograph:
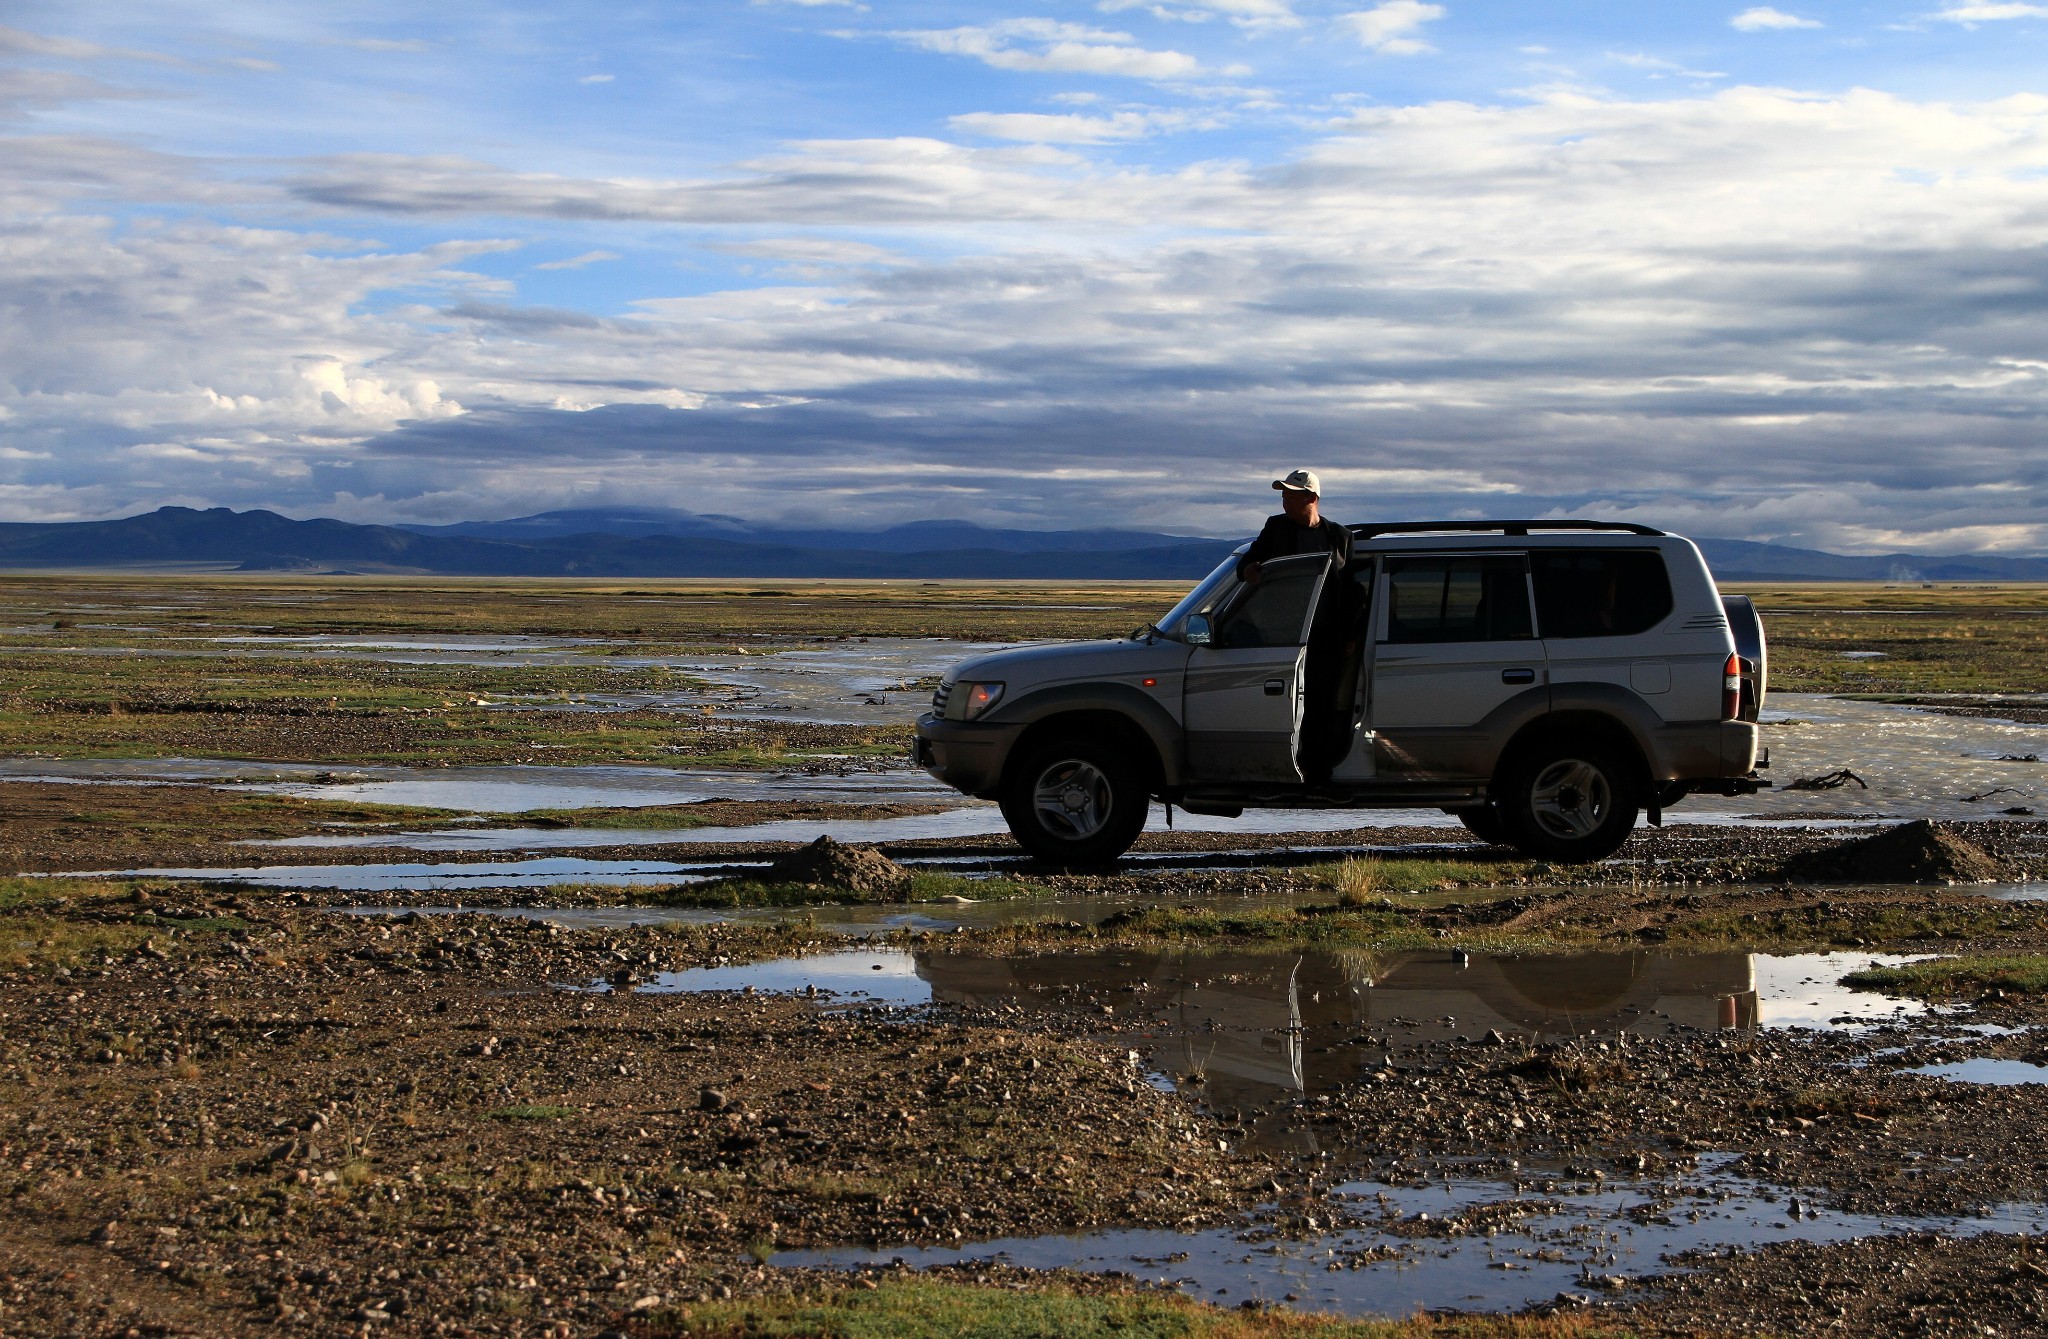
{"type": "Point", "coordinates": [921, 886]}
{"type": "Point", "coordinates": [533, 1111]}
{"type": "Point", "coordinates": [910, 1308]}
{"type": "Point", "coordinates": [38, 942]}
{"type": "Point", "coordinates": [50, 923]}
{"type": "Point", "coordinates": [1827, 926]}
{"type": "Point", "coordinates": [18, 893]}
{"type": "Point", "coordinates": [1358, 880]}
{"type": "Point", "coordinates": [1950, 978]}
{"type": "Point", "coordinates": [1329, 925]}
{"type": "Point", "coordinates": [679, 817]}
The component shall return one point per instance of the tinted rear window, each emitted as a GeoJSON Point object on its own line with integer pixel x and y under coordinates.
{"type": "Point", "coordinates": [1431, 599]}
{"type": "Point", "coordinates": [1599, 592]}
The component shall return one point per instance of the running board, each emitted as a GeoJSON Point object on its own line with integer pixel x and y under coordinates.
{"type": "Point", "coordinates": [1331, 797]}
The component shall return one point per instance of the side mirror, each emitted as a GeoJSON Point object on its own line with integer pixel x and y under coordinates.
{"type": "Point", "coordinates": [1196, 630]}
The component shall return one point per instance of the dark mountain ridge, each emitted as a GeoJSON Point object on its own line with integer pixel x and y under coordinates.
{"type": "Point", "coordinates": [650, 542]}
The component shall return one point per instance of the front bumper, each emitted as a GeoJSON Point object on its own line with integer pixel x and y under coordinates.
{"type": "Point", "coordinates": [966, 755]}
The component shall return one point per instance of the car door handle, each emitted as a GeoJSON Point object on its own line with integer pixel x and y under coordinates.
{"type": "Point", "coordinates": [1275, 687]}
{"type": "Point", "coordinates": [1518, 676]}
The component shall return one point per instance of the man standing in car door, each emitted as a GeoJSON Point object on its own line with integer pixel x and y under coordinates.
{"type": "Point", "coordinates": [1299, 528]}
{"type": "Point", "coordinates": [1329, 676]}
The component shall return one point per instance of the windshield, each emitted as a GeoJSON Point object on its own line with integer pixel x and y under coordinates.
{"type": "Point", "coordinates": [1199, 599]}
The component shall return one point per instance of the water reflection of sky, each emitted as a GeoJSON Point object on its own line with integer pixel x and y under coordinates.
{"type": "Point", "coordinates": [1537, 1243]}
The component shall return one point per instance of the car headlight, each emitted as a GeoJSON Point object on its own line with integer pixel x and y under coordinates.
{"type": "Point", "coordinates": [977, 699]}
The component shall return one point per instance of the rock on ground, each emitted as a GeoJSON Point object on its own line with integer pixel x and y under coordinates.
{"type": "Point", "coordinates": [1916, 852]}
{"type": "Point", "coordinates": [826, 863]}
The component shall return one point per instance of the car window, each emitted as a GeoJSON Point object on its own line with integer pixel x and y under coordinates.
{"type": "Point", "coordinates": [1433, 598]}
{"type": "Point", "coordinates": [1275, 611]}
{"type": "Point", "coordinates": [1600, 592]}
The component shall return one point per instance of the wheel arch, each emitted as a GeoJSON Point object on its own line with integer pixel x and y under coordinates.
{"type": "Point", "coordinates": [1576, 725]}
{"type": "Point", "coordinates": [1152, 733]}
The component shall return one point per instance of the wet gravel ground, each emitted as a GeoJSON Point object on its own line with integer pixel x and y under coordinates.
{"type": "Point", "coordinates": [55, 826]}
{"type": "Point", "coordinates": [409, 1124]}
{"type": "Point", "coordinates": [1165, 864]}
{"type": "Point", "coordinates": [330, 1124]}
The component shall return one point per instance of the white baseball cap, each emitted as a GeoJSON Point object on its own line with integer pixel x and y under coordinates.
{"type": "Point", "coordinates": [1301, 481]}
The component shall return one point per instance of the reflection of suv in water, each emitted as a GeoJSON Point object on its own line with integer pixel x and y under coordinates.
{"type": "Point", "coordinates": [1543, 680]}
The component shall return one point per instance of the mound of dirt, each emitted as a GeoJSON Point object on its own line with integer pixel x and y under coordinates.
{"type": "Point", "coordinates": [1916, 852]}
{"type": "Point", "coordinates": [829, 864]}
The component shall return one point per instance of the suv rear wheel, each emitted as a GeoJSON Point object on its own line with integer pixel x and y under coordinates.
{"type": "Point", "coordinates": [1074, 801]}
{"type": "Point", "coordinates": [1569, 802]}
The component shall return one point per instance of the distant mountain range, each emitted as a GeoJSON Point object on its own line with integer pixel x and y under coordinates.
{"type": "Point", "coordinates": [649, 542]}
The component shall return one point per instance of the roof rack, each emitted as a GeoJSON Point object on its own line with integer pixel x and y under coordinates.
{"type": "Point", "coordinates": [1496, 527]}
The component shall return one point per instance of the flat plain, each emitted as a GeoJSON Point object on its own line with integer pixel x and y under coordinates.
{"type": "Point", "coordinates": [228, 1108]}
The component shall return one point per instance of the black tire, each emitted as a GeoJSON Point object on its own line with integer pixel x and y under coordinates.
{"type": "Point", "coordinates": [1569, 802]}
{"type": "Point", "coordinates": [1485, 824]}
{"type": "Point", "coordinates": [1075, 801]}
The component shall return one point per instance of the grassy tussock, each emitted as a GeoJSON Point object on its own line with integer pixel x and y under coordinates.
{"type": "Point", "coordinates": [922, 886]}
{"type": "Point", "coordinates": [1823, 926]}
{"type": "Point", "coordinates": [1949, 978]}
{"type": "Point", "coordinates": [907, 1308]}
{"type": "Point", "coordinates": [1360, 880]}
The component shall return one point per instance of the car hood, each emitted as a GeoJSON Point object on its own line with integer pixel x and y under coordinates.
{"type": "Point", "coordinates": [1054, 662]}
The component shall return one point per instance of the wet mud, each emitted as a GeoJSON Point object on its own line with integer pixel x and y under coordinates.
{"type": "Point", "coordinates": [261, 1113]}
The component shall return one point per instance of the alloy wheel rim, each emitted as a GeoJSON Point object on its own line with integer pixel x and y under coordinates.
{"type": "Point", "coordinates": [1571, 798]}
{"type": "Point", "coordinates": [1072, 799]}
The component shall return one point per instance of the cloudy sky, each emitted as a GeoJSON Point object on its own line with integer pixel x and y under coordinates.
{"type": "Point", "coordinates": [1742, 271]}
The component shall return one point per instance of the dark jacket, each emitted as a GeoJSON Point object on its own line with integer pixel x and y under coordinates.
{"type": "Point", "coordinates": [1282, 538]}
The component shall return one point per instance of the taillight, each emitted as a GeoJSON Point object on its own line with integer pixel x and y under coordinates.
{"type": "Point", "coordinates": [1731, 688]}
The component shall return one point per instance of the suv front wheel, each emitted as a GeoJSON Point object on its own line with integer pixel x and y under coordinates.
{"type": "Point", "coordinates": [1568, 802]}
{"type": "Point", "coordinates": [1075, 802]}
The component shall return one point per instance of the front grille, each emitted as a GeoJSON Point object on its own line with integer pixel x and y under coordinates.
{"type": "Point", "coordinates": [939, 696]}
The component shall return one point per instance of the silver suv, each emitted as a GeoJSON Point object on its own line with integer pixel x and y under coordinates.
{"type": "Point", "coordinates": [1544, 681]}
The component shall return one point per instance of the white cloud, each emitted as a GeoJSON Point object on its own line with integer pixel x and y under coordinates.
{"type": "Point", "coordinates": [1640, 61]}
{"type": "Point", "coordinates": [814, 251]}
{"type": "Point", "coordinates": [1757, 312]}
{"type": "Point", "coordinates": [578, 262]}
{"type": "Point", "coordinates": [1255, 14]}
{"type": "Point", "coordinates": [1039, 128]}
{"type": "Point", "coordinates": [1388, 28]}
{"type": "Point", "coordinates": [1763, 17]}
{"type": "Point", "coordinates": [597, 79]}
{"type": "Point", "coordinates": [408, 45]}
{"type": "Point", "coordinates": [1990, 13]}
{"type": "Point", "coordinates": [1050, 46]}
{"type": "Point", "coordinates": [20, 42]}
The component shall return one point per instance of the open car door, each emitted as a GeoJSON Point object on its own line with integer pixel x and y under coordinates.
{"type": "Point", "coordinates": [1244, 687]}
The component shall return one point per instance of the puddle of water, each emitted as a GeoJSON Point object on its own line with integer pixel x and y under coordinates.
{"type": "Point", "coordinates": [1919, 764]}
{"type": "Point", "coordinates": [1547, 1242]}
{"type": "Point", "coordinates": [434, 878]}
{"type": "Point", "coordinates": [2020, 892]}
{"type": "Point", "coordinates": [853, 682]}
{"type": "Point", "coordinates": [503, 790]}
{"type": "Point", "coordinates": [970, 819]}
{"type": "Point", "coordinates": [337, 642]}
{"type": "Point", "coordinates": [2000, 1073]}
{"type": "Point", "coordinates": [1249, 1026]}
{"type": "Point", "coordinates": [1804, 990]}
{"type": "Point", "coordinates": [868, 976]}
